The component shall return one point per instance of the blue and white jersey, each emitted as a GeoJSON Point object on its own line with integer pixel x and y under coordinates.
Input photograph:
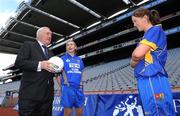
{"type": "Point", "coordinates": [73, 67]}
{"type": "Point", "coordinates": [155, 59]}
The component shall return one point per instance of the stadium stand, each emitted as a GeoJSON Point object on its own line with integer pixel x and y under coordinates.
{"type": "Point", "coordinates": [118, 75]}
{"type": "Point", "coordinates": [115, 75]}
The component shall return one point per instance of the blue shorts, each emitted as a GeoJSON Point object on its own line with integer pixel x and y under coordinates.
{"type": "Point", "coordinates": [156, 96]}
{"type": "Point", "coordinates": [71, 97]}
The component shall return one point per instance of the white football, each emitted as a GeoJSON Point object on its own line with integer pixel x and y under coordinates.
{"type": "Point", "coordinates": [57, 64]}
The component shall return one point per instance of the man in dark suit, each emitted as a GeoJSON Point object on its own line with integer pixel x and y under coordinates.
{"type": "Point", "coordinates": [36, 91]}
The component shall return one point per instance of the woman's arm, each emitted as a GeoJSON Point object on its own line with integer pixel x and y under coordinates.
{"type": "Point", "coordinates": [58, 79]}
{"type": "Point", "coordinates": [138, 54]}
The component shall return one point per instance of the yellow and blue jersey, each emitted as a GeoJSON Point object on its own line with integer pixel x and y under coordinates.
{"type": "Point", "coordinates": [73, 67]}
{"type": "Point", "coordinates": [154, 60]}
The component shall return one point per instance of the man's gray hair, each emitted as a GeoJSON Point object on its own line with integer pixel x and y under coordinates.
{"type": "Point", "coordinates": [39, 30]}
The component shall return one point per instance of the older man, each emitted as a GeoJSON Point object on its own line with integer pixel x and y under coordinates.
{"type": "Point", "coordinates": [36, 91]}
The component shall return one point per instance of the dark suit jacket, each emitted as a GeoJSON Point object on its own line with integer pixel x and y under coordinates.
{"type": "Point", "coordinates": [34, 85]}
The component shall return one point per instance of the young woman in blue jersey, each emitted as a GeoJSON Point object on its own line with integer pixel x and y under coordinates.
{"type": "Point", "coordinates": [148, 60]}
{"type": "Point", "coordinates": [72, 92]}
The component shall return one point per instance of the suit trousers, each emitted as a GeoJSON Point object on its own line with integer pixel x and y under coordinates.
{"type": "Point", "coordinates": [35, 108]}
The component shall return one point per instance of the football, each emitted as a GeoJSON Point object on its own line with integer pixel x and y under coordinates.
{"type": "Point", "coordinates": [56, 63]}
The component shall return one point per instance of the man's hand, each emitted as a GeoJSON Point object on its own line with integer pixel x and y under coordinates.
{"type": "Point", "coordinates": [46, 65]}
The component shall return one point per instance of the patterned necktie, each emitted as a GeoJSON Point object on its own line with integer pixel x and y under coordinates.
{"type": "Point", "coordinates": [45, 51]}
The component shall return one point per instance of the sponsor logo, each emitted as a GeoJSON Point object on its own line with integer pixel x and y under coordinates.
{"type": "Point", "coordinates": [74, 65]}
{"type": "Point", "coordinates": [67, 60]}
{"type": "Point", "coordinates": [128, 108]}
